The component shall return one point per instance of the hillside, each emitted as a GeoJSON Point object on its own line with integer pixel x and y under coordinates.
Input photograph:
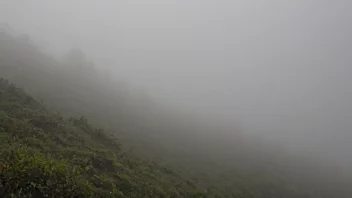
{"type": "Point", "coordinates": [45, 155]}
{"type": "Point", "coordinates": [158, 154]}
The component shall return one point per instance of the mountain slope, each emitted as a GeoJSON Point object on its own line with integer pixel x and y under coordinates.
{"type": "Point", "coordinates": [45, 155]}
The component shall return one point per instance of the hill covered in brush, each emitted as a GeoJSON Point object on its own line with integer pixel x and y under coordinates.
{"type": "Point", "coordinates": [46, 155]}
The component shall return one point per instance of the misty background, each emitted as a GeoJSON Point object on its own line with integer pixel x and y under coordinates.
{"type": "Point", "coordinates": [280, 69]}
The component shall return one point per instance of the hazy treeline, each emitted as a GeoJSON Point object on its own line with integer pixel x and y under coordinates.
{"type": "Point", "coordinates": [217, 157]}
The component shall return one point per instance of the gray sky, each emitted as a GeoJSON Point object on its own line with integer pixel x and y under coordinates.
{"type": "Point", "coordinates": [283, 68]}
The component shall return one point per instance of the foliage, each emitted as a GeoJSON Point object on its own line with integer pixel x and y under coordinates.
{"type": "Point", "coordinates": [44, 155]}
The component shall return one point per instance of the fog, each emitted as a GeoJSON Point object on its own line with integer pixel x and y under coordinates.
{"type": "Point", "coordinates": [279, 68]}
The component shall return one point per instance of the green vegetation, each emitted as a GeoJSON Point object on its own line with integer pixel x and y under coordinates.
{"type": "Point", "coordinates": [49, 149]}
{"type": "Point", "coordinates": [44, 155]}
